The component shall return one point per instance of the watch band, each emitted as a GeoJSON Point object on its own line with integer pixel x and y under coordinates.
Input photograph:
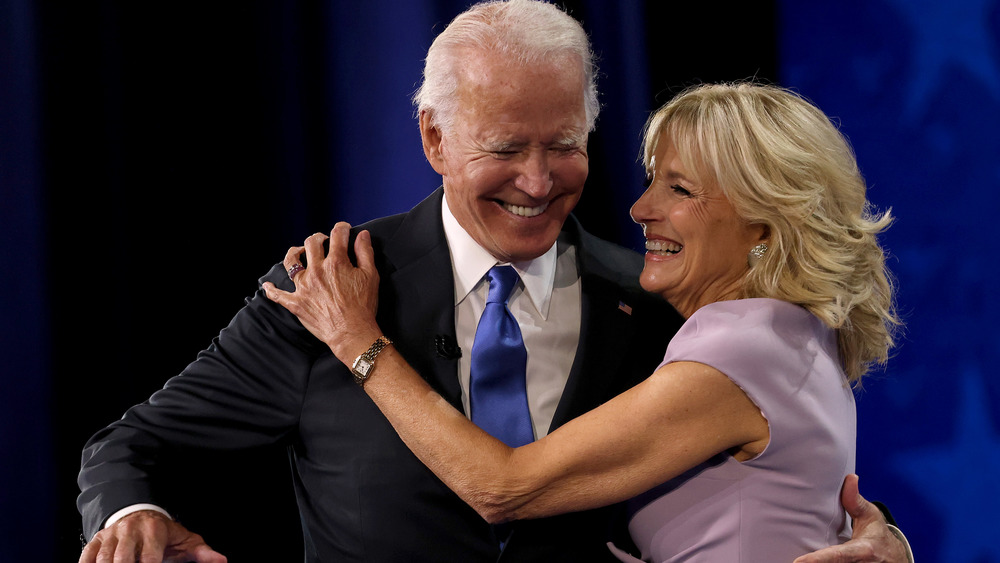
{"type": "Point", "coordinates": [363, 365]}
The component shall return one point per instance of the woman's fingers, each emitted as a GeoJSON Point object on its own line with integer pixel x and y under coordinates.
{"type": "Point", "coordinates": [293, 261]}
{"type": "Point", "coordinates": [363, 251]}
{"type": "Point", "coordinates": [339, 237]}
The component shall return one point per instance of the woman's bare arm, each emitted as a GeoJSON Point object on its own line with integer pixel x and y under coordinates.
{"type": "Point", "coordinates": [682, 415]}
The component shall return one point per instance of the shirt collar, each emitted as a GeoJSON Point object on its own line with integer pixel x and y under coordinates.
{"type": "Point", "coordinates": [470, 262]}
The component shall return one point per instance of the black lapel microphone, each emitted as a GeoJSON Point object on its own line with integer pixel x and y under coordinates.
{"type": "Point", "coordinates": [447, 347]}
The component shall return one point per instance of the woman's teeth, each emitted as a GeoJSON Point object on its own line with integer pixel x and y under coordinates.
{"type": "Point", "coordinates": [662, 247]}
{"type": "Point", "coordinates": [525, 211]}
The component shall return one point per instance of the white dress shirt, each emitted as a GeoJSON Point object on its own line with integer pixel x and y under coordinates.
{"type": "Point", "coordinates": [546, 306]}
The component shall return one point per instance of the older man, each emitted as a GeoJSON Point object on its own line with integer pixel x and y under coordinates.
{"type": "Point", "coordinates": [505, 109]}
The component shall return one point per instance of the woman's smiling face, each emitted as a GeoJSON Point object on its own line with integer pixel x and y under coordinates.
{"type": "Point", "coordinates": [696, 244]}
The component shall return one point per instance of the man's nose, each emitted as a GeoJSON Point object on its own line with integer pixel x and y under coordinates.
{"type": "Point", "coordinates": [535, 177]}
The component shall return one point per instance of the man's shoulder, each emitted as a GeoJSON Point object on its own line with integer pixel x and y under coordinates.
{"type": "Point", "coordinates": [423, 217]}
{"type": "Point", "coordinates": [602, 258]}
{"type": "Point", "coordinates": [383, 226]}
{"type": "Point", "coordinates": [613, 270]}
{"type": "Point", "coordinates": [613, 254]}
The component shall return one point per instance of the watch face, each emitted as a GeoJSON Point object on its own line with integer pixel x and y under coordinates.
{"type": "Point", "coordinates": [362, 367]}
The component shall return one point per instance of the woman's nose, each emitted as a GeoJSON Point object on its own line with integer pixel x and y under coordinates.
{"type": "Point", "coordinates": [640, 209]}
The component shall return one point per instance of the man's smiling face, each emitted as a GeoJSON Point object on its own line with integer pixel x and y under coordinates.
{"type": "Point", "coordinates": [514, 161]}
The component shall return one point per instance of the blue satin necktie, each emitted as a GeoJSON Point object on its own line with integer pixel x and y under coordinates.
{"type": "Point", "coordinates": [497, 390]}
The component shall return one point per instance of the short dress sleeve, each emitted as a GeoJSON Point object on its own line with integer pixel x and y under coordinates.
{"type": "Point", "coordinates": [783, 357]}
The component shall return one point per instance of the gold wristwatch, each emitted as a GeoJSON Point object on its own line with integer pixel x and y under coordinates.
{"type": "Point", "coordinates": [362, 368]}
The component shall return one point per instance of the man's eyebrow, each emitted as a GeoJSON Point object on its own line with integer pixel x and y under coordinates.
{"type": "Point", "coordinates": [491, 142]}
{"type": "Point", "coordinates": [572, 137]}
{"type": "Point", "coordinates": [502, 144]}
{"type": "Point", "coordinates": [568, 141]}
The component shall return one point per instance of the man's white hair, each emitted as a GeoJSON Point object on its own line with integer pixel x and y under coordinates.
{"type": "Point", "coordinates": [523, 31]}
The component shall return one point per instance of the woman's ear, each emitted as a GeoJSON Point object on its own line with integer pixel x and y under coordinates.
{"type": "Point", "coordinates": [765, 233]}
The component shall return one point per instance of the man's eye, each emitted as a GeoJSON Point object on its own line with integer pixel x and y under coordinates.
{"type": "Point", "coordinates": [680, 190]}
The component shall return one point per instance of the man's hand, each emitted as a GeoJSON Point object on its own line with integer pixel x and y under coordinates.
{"type": "Point", "coordinates": [872, 540]}
{"type": "Point", "coordinates": [147, 536]}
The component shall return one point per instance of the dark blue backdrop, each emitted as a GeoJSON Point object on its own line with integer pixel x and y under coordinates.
{"type": "Point", "coordinates": [917, 87]}
{"type": "Point", "coordinates": [154, 160]}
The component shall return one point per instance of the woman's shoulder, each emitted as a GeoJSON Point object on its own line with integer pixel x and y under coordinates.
{"type": "Point", "coordinates": [737, 331]}
{"type": "Point", "coordinates": [753, 310]}
{"type": "Point", "coordinates": [773, 350]}
{"type": "Point", "coordinates": [738, 315]}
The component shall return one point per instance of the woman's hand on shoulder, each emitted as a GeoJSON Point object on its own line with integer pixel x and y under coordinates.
{"type": "Point", "coordinates": [334, 299]}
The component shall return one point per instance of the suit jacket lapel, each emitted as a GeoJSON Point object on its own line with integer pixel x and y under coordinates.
{"type": "Point", "coordinates": [605, 332]}
{"type": "Point", "coordinates": [417, 302]}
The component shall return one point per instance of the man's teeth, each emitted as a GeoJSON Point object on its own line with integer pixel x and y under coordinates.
{"type": "Point", "coordinates": [663, 246]}
{"type": "Point", "coordinates": [525, 211]}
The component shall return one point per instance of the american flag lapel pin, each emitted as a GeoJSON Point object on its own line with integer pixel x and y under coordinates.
{"type": "Point", "coordinates": [622, 306]}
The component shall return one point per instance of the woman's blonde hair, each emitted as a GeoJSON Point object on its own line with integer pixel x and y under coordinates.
{"type": "Point", "coordinates": [782, 163]}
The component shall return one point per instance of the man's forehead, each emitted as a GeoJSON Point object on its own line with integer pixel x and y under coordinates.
{"type": "Point", "coordinates": [477, 68]}
{"type": "Point", "coordinates": [512, 127]}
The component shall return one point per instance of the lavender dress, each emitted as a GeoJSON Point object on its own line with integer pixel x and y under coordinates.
{"type": "Point", "coordinates": [786, 501]}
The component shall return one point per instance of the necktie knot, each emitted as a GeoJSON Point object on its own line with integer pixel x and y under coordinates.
{"type": "Point", "coordinates": [502, 280]}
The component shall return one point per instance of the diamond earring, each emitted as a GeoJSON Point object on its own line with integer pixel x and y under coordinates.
{"type": "Point", "coordinates": [756, 253]}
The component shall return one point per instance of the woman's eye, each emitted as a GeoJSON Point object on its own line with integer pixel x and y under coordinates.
{"type": "Point", "coordinates": [680, 190]}
{"type": "Point", "coordinates": [648, 180]}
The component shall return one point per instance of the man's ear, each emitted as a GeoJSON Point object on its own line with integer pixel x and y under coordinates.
{"type": "Point", "coordinates": [431, 137]}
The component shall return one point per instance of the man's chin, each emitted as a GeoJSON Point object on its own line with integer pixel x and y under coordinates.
{"type": "Point", "coordinates": [520, 240]}
{"type": "Point", "coordinates": [522, 251]}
